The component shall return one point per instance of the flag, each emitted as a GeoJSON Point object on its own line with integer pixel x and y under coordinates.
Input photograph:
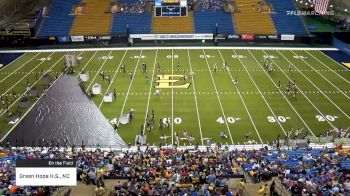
{"type": "Point", "coordinates": [321, 6]}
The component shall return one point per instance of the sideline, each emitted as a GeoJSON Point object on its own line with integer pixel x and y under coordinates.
{"type": "Point", "coordinates": [169, 47]}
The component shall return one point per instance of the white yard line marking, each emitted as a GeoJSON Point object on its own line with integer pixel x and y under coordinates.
{"type": "Point", "coordinates": [25, 75]}
{"type": "Point", "coordinates": [92, 81]}
{"type": "Point", "coordinates": [149, 91]}
{"type": "Point", "coordinates": [172, 99]}
{"type": "Point", "coordinates": [323, 76]}
{"type": "Point", "coordinates": [18, 67]}
{"type": "Point", "coordinates": [25, 114]}
{"type": "Point", "coordinates": [342, 66]}
{"type": "Point", "coordinates": [304, 93]}
{"type": "Point", "coordinates": [245, 106]}
{"type": "Point", "coordinates": [217, 95]}
{"type": "Point", "coordinates": [32, 85]}
{"type": "Point", "coordinates": [92, 57]}
{"type": "Point", "coordinates": [131, 82]}
{"type": "Point", "coordinates": [281, 92]}
{"type": "Point", "coordinates": [262, 96]}
{"type": "Point", "coordinates": [115, 73]}
{"type": "Point", "coordinates": [318, 88]}
{"type": "Point", "coordinates": [4, 68]}
{"type": "Point", "coordinates": [195, 97]}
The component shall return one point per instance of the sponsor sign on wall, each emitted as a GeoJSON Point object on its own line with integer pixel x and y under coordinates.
{"type": "Point", "coordinates": [77, 38]}
{"type": "Point", "coordinates": [248, 37]}
{"type": "Point", "coordinates": [287, 37]}
{"type": "Point", "coordinates": [64, 39]}
{"type": "Point", "coordinates": [171, 36]}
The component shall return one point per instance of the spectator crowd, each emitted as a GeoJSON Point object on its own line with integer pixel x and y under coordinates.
{"type": "Point", "coordinates": [190, 172]}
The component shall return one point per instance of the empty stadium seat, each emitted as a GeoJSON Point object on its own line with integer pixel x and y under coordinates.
{"type": "Point", "coordinates": [205, 22]}
{"type": "Point", "coordinates": [95, 19]}
{"type": "Point", "coordinates": [60, 19]}
{"type": "Point", "coordinates": [249, 19]}
{"type": "Point", "coordinates": [286, 24]}
{"type": "Point", "coordinates": [173, 24]}
{"type": "Point", "coordinates": [137, 22]}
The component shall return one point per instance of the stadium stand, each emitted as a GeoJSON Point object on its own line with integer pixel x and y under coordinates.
{"type": "Point", "coordinates": [173, 24]}
{"type": "Point", "coordinates": [137, 23]}
{"type": "Point", "coordinates": [284, 23]}
{"type": "Point", "coordinates": [205, 5]}
{"type": "Point", "coordinates": [205, 22]}
{"type": "Point", "coordinates": [253, 17]}
{"type": "Point", "coordinates": [170, 171]}
{"type": "Point", "coordinates": [95, 20]}
{"type": "Point", "coordinates": [135, 6]}
{"type": "Point", "coordinates": [59, 20]}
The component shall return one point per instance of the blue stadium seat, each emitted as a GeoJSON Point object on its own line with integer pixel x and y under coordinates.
{"type": "Point", "coordinates": [205, 22]}
{"type": "Point", "coordinates": [59, 21]}
{"type": "Point", "coordinates": [286, 24]}
{"type": "Point", "coordinates": [137, 22]}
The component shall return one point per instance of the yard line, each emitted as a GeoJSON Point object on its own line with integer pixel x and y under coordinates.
{"type": "Point", "coordinates": [217, 95]}
{"type": "Point", "coordinates": [25, 114]}
{"type": "Point", "coordinates": [297, 113]}
{"type": "Point", "coordinates": [328, 67]}
{"type": "Point", "coordinates": [324, 77]}
{"type": "Point", "coordinates": [343, 67]}
{"type": "Point", "coordinates": [115, 73]}
{"type": "Point", "coordinates": [25, 76]}
{"type": "Point", "coordinates": [150, 90]}
{"type": "Point", "coordinates": [2, 69]}
{"type": "Point", "coordinates": [245, 106]}
{"type": "Point", "coordinates": [92, 81]}
{"type": "Point", "coordinates": [34, 84]}
{"type": "Point", "coordinates": [19, 67]}
{"type": "Point", "coordinates": [262, 96]}
{"type": "Point", "coordinates": [316, 87]}
{"type": "Point", "coordinates": [92, 57]}
{"type": "Point", "coordinates": [195, 97]}
{"type": "Point", "coordinates": [19, 97]}
{"type": "Point", "coordinates": [172, 99]}
{"type": "Point", "coordinates": [305, 95]}
{"type": "Point", "coordinates": [132, 79]}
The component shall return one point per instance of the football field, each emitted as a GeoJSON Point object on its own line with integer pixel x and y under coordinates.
{"type": "Point", "coordinates": [224, 104]}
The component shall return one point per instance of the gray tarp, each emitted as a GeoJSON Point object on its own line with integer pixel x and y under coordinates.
{"type": "Point", "coordinates": [65, 113]}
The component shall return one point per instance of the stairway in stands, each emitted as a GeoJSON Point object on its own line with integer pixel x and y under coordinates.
{"type": "Point", "coordinates": [173, 24]}
{"type": "Point", "coordinates": [95, 19]}
{"type": "Point", "coordinates": [249, 19]}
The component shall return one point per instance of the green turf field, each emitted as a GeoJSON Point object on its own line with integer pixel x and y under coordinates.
{"type": "Point", "coordinates": [212, 103]}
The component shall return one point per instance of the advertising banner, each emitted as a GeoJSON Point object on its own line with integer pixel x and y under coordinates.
{"type": "Point", "coordinates": [77, 38]}
{"type": "Point", "coordinates": [233, 37]}
{"type": "Point", "coordinates": [247, 37]}
{"type": "Point", "coordinates": [287, 37]}
{"type": "Point", "coordinates": [64, 39]}
{"type": "Point", "coordinates": [172, 36]}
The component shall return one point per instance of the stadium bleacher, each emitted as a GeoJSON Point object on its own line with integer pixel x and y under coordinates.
{"type": "Point", "coordinates": [173, 24]}
{"type": "Point", "coordinates": [284, 23]}
{"type": "Point", "coordinates": [157, 171]}
{"type": "Point", "coordinates": [137, 23]}
{"type": "Point", "coordinates": [59, 20]}
{"type": "Point", "coordinates": [95, 20]}
{"type": "Point", "coordinates": [205, 22]}
{"type": "Point", "coordinates": [253, 17]}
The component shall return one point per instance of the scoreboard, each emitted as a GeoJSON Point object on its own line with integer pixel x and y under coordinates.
{"type": "Point", "coordinates": [170, 8]}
